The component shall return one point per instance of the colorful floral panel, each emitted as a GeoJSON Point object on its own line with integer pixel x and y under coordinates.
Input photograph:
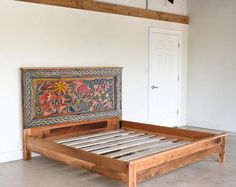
{"type": "Point", "coordinates": [53, 97]}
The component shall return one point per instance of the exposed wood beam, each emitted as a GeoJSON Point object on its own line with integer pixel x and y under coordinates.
{"type": "Point", "coordinates": [114, 9]}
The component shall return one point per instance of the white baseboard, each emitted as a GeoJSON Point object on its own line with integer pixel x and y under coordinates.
{"type": "Point", "coordinates": [13, 156]}
{"type": "Point", "coordinates": [182, 122]}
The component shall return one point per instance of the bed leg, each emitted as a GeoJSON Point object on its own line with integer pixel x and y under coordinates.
{"type": "Point", "coordinates": [222, 150]}
{"type": "Point", "coordinates": [131, 176]}
{"type": "Point", "coordinates": [26, 151]}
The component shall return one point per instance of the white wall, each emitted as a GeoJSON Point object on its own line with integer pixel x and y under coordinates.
{"type": "Point", "coordinates": [212, 64]}
{"type": "Point", "coordinates": [33, 35]}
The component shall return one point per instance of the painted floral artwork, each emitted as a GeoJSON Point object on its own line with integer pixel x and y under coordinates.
{"type": "Point", "coordinates": [55, 97]}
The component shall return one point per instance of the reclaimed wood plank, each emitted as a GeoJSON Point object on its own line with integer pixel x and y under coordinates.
{"type": "Point", "coordinates": [131, 176]}
{"type": "Point", "coordinates": [107, 140]}
{"type": "Point", "coordinates": [127, 145]}
{"type": "Point", "coordinates": [115, 9]}
{"type": "Point", "coordinates": [175, 153]}
{"type": "Point", "coordinates": [89, 136]}
{"type": "Point", "coordinates": [137, 148]}
{"type": "Point", "coordinates": [87, 140]}
{"type": "Point", "coordinates": [181, 133]}
{"type": "Point", "coordinates": [60, 152]}
{"type": "Point", "coordinates": [177, 163]}
{"type": "Point", "coordinates": [222, 150]}
{"type": "Point", "coordinates": [161, 147]}
{"type": "Point", "coordinates": [115, 143]}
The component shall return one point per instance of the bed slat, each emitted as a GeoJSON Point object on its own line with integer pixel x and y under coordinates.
{"type": "Point", "coordinates": [88, 136]}
{"type": "Point", "coordinates": [127, 145]}
{"type": "Point", "coordinates": [139, 148]}
{"type": "Point", "coordinates": [107, 140]}
{"type": "Point", "coordinates": [160, 148]}
{"type": "Point", "coordinates": [114, 143]}
{"type": "Point", "coordinates": [111, 136]}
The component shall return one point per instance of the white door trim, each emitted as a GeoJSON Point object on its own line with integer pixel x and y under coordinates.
{"type": "Point", "coordinates": [175, 32]}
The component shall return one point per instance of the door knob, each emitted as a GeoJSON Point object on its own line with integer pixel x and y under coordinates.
{"type": "Point", "coordinates": [154, 87]}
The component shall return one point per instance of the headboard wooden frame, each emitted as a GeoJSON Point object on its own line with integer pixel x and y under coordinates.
{"type": "Point", "coordinates": [53, 96]}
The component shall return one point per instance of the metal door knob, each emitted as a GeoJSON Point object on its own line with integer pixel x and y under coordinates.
{"type": "Point", "coordinates": [154, 87]}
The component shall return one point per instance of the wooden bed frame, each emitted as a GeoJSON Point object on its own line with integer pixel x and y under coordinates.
{"type": "Point", "coordinates": [200, 145]}
{"type": "Point", "coordinates": [127, 151]}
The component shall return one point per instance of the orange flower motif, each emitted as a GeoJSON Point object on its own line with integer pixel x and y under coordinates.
{"type": "Point", "coordinates": [60, 87]}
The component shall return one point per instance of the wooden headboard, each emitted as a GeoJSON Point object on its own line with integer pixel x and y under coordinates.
{"type": "Point", "coordinates": [71, 98]}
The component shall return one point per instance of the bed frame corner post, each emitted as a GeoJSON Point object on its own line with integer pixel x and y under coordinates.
{"type": "Point", "coordinates": [222, 150]}
{"type": "Point", "coordinates": [131, 175]}
{"type": "Point", "coordinates": [26, 150]}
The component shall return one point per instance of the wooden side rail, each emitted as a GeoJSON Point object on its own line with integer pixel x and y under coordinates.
{"type": "Point", "coordinates": [156, 164]}
{"type": "Point", "coordinates": [168, 131]}
{"type": "Point", "coordinates": [180, 152]}
{"type": "Point", "coordinates": [177, 163]}
{"type": "Point", "coordinates": [78, 158]}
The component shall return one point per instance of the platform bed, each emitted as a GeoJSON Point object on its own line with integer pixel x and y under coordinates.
{"type": "Point", "coordinates": [73, 115]}
{"type": "Point", "coordinates": [127, 151]}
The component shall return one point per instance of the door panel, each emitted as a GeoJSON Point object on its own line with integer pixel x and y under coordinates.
{"type": "Point", "coordinates": [163, 78]}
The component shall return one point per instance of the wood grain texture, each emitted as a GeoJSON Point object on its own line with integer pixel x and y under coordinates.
{"type": "Point", "coordinates": [178, 163]}
{"type": "Point", "coordinates": [65, 130]}
{"type": "Point", "coordinates": [131, 176]}
{"type": "Point", "coordinates": [61, 152]}
{"type": "Point", "coordinates": [131, 172]}
{"type": "Point", "coordinates": [115, 9]}
{"type": "Point", "coordinates": [26, 150]}
{"type": "Point", "coordinates": [161, 130]}
{"type": "Point", "coordinates": [151, 151]}
{"type": "Point", "coordinates": [222, 150]}
{"type": "Point", "coordinates": [176, 153]}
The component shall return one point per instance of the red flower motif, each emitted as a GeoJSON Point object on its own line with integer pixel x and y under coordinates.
{"type": "Point", "coordinates": [81, 87]}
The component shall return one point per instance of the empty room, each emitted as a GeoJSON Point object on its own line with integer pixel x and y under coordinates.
{"type": "Point", "coordinates": [113, 93]}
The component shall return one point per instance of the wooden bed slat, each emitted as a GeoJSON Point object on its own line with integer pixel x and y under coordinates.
{"type": "Point", "coordinates": [107, 140]}
{"type": "Point", "coordinates": [160, 148]}
{"type": "Point", "coordinates": [88, 136]}
{"type": "Point", "coordinates": [87, 140]}
{"type": "Point", "coordinates": [114, 143]}
{"type": "Point", "coordinates": [127, 145]}
{"type": "Point", "coordinates": [138, 148]}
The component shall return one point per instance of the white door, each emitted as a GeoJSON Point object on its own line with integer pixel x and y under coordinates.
{"type": "Point", "coordinates": [163, 78]}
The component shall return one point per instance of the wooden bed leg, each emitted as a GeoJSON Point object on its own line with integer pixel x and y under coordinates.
{"type": "Point", "coordinates": [26, 151]}
{"type": "Point", "coordinates": [131, 176]}
{"type": "Point", "coordinates": [222, 150]}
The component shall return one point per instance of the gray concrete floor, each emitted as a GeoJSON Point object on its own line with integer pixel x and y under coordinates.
{"type": "Point", "coordinates": [43, 172]}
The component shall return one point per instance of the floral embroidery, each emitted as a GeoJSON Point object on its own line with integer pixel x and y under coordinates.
{"type": "Point", "coordinates": [72, 96]}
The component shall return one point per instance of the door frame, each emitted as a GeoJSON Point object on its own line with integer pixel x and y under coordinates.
{"type": "Point", "coordinates": [179, 84]}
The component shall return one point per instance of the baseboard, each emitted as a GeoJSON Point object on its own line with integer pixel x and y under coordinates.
{"type": "Point", "coordinates": [13, 156]}
{"type": "Point", "coordinates": [182, 122]}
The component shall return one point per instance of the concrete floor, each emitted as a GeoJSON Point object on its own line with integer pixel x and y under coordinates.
{"type": "Point", "coordinates": [43, 172]}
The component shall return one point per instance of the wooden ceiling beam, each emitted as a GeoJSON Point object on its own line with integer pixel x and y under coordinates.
{"type": "Point", "coordinates": [114, 9]}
